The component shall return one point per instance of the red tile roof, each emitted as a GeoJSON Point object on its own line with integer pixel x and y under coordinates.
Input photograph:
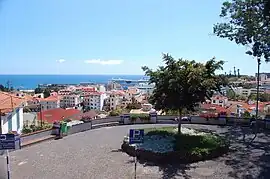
{"type": "Point", "coordinates": [219, 97]}
{"type": "Point", "coordinates": [51, 98]}
{"type": "Point", "coordinates": [89, 115]}
{"type": "Point", "coordinates": [9, 101]}
{"type": "Point", "coordinates": [215, 107]}
{"type": "Point", "coordinates": [57, 114]}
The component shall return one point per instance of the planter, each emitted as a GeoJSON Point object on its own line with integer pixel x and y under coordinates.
{"type": "Point", "coordinates": [172, 157]}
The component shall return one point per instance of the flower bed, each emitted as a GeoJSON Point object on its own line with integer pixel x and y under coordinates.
{"type": "Point", "coordinates": [166, 146]}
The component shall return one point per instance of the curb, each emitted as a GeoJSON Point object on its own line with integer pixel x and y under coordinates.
{"type": "Point", "coordinates": [96, 126]}
{"type": "Point", "coordinates": [37, 141]}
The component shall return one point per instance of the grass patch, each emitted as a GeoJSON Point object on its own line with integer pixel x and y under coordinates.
{"type": "Point", "coordinates": [199, 145]}
{"type": "Point", "coordinates": [159, 129]}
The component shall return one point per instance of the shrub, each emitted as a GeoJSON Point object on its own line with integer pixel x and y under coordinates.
{"type": "Point", "coordinates": [115, 113]}
{"type": "Point", "coordinates": [26, 130]}
{"type": "Point", "coordinates": [142, 117]}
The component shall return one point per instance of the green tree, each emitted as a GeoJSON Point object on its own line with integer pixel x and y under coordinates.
{"type": "Point", "coordinates": [3, 88]}
{"type": "Point", "coordinates": [263, 97]}
{"type": "Point", "coordinates": [183, 84]}
{"type": "Point", "coordinates": [47, 93]}
{"type": "Point", "coordinates": [245, 25]}
{"type": "Point", "coordinates": [38, 90]}
{"type": "Point", "coordinates": [246, 114]}
{"type": "Point", "coordinates": [231, 94]}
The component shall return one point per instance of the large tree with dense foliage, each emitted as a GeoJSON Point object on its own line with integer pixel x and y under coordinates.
{"type": "Point", "coordinates": [183, 84]}
{"type": "Point", "coordinates": [246, 23]}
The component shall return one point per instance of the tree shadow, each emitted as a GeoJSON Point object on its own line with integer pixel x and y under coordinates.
{"type": "Point", "coordinates": [169, 171]}
{"type": "Point", "coordinates": [248, 160]}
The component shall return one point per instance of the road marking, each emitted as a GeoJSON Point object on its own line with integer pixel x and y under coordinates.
{"type": "Point", "coordinates": [108, 127]}
{"type": "Point", "coordinates": [21, 163]}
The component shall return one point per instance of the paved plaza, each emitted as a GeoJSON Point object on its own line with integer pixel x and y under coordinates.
{"type": "Point", "coordinates": [95, 154]}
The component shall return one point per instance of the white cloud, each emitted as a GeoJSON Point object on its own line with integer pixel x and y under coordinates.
{"type": "Point", "coordinates": [104, 62]}
{"type": "Point", "coordinates": [61, 60]}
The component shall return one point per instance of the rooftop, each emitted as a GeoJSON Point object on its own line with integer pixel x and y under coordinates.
{"type": "Point", "coordinates": [9, 101]}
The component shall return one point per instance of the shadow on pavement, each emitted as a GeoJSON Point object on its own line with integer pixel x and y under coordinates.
{"type": "Point", "coordinates": [3, 172]}
{"type": "Point", "coordinates": [168, 171]}
{"type": "Point", "coordinates": [248, 161]}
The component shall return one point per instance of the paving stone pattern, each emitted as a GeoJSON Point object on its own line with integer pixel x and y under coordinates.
{"type": "Point", "coordinates": [95, 154]}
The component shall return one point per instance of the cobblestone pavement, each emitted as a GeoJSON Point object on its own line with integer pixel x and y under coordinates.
{"type": "Point", "coordinates": [94, 155]}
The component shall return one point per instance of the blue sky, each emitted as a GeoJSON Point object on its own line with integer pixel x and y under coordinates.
{"type": "Point", "coordinates": [110, 37]}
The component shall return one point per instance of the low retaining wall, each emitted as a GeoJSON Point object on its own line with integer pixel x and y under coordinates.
{"type": "Point", "coordinates": [26, 138]}
{"type": "Point", "coordinates": [160, 120]}
{"type": "Point", "coordinates": [80, 128]}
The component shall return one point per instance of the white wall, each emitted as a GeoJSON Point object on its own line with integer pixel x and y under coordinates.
{"type": "Point", "coordinates": [14, 114]}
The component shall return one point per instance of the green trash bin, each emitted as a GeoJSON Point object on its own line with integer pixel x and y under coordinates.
{"type": "Point", "coordinates": [64, 128]}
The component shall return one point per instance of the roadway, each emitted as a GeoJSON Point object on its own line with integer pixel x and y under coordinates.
{"type": "Point", "coordinates": [94, 155]}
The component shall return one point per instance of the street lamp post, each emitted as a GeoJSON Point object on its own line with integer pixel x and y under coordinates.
{"type": "Point", "coordinates": [257, 99]}
{"type": "Point", "coordinates": [258, 88]}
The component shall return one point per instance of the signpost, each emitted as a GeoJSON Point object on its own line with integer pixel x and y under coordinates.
{"type": "Point", "coordinates": [9, 142]}
{"type": "Point", "coordinates": [135, 137]}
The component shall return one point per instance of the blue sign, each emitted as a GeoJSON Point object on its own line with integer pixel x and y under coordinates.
{"type": "Point", "coordinates": [136, 136]}
{"type": "Point", "coordinates": [9, 141]}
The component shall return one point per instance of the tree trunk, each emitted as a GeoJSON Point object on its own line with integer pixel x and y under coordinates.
{"type": "Point", "coordinates": [179, 121]}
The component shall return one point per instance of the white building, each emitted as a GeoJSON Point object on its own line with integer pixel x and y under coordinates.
{"type": "Point", "coordinates": [70, 101]}
{"type": "Point", "coordinates": [264, 77]}
{"type": "Point", "coordinates": [219, 100]}
{"type": "Point", "coordinates": [247, 92]}
{"type": "Point", "coordinates": [101, 88]}
{"type": "Point", "coordinates": [145, 88]}
{"type": "Point", "coordinates": [94, 100]}
{"type": "Point", "coordinates": [51, 102]}
{"type": "Point", "coordinates": [11, 113]}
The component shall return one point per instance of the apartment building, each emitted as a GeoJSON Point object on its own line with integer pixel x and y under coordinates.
{"type": "Point", "coordinates": [86, 90]}
{"type": "Point", "coordinates": [247, 92]}
{"type": "Point", "coordinates": [94, 100]}
{"type": "Point", "coordinates": [264, 77]}
{"type": "Point", "coordinates": [71, 101]}
{"type": "Point", "coordinates": [145, 88]}
{"type": "Point", "coordinates": [51, 102]}
{"type": "Point", "coordinates": [65, 92]}
{"type": "Point", "coordinates": [116, 98]}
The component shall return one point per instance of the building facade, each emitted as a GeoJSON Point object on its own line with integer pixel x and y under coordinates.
{"type": "Point", "coordinates": [51, 102]}
{"type": "Point", "coordinates": [94, 100]}
{"type": "Point", "coordinates": [219, 100]}
{"type": "Point", "coordinates": [11, 113]}
{"type": "Point", "coordinates": [12, 121]}
{"type": "Point", "coordinates": [71, 101]}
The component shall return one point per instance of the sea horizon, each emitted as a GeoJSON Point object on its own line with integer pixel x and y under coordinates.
{"type": "Point", "coordinates": [31, 81]}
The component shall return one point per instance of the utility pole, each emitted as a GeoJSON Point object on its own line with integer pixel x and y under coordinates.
{"type": "Point", "coordinates": [41, 117]}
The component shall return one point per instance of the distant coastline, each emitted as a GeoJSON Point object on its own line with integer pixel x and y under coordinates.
{"type": "Point", "coordinates": [28, 81]}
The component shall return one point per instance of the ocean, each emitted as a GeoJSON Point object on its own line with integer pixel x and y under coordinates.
{"type": "Point", "coordinates": [24, 82]}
